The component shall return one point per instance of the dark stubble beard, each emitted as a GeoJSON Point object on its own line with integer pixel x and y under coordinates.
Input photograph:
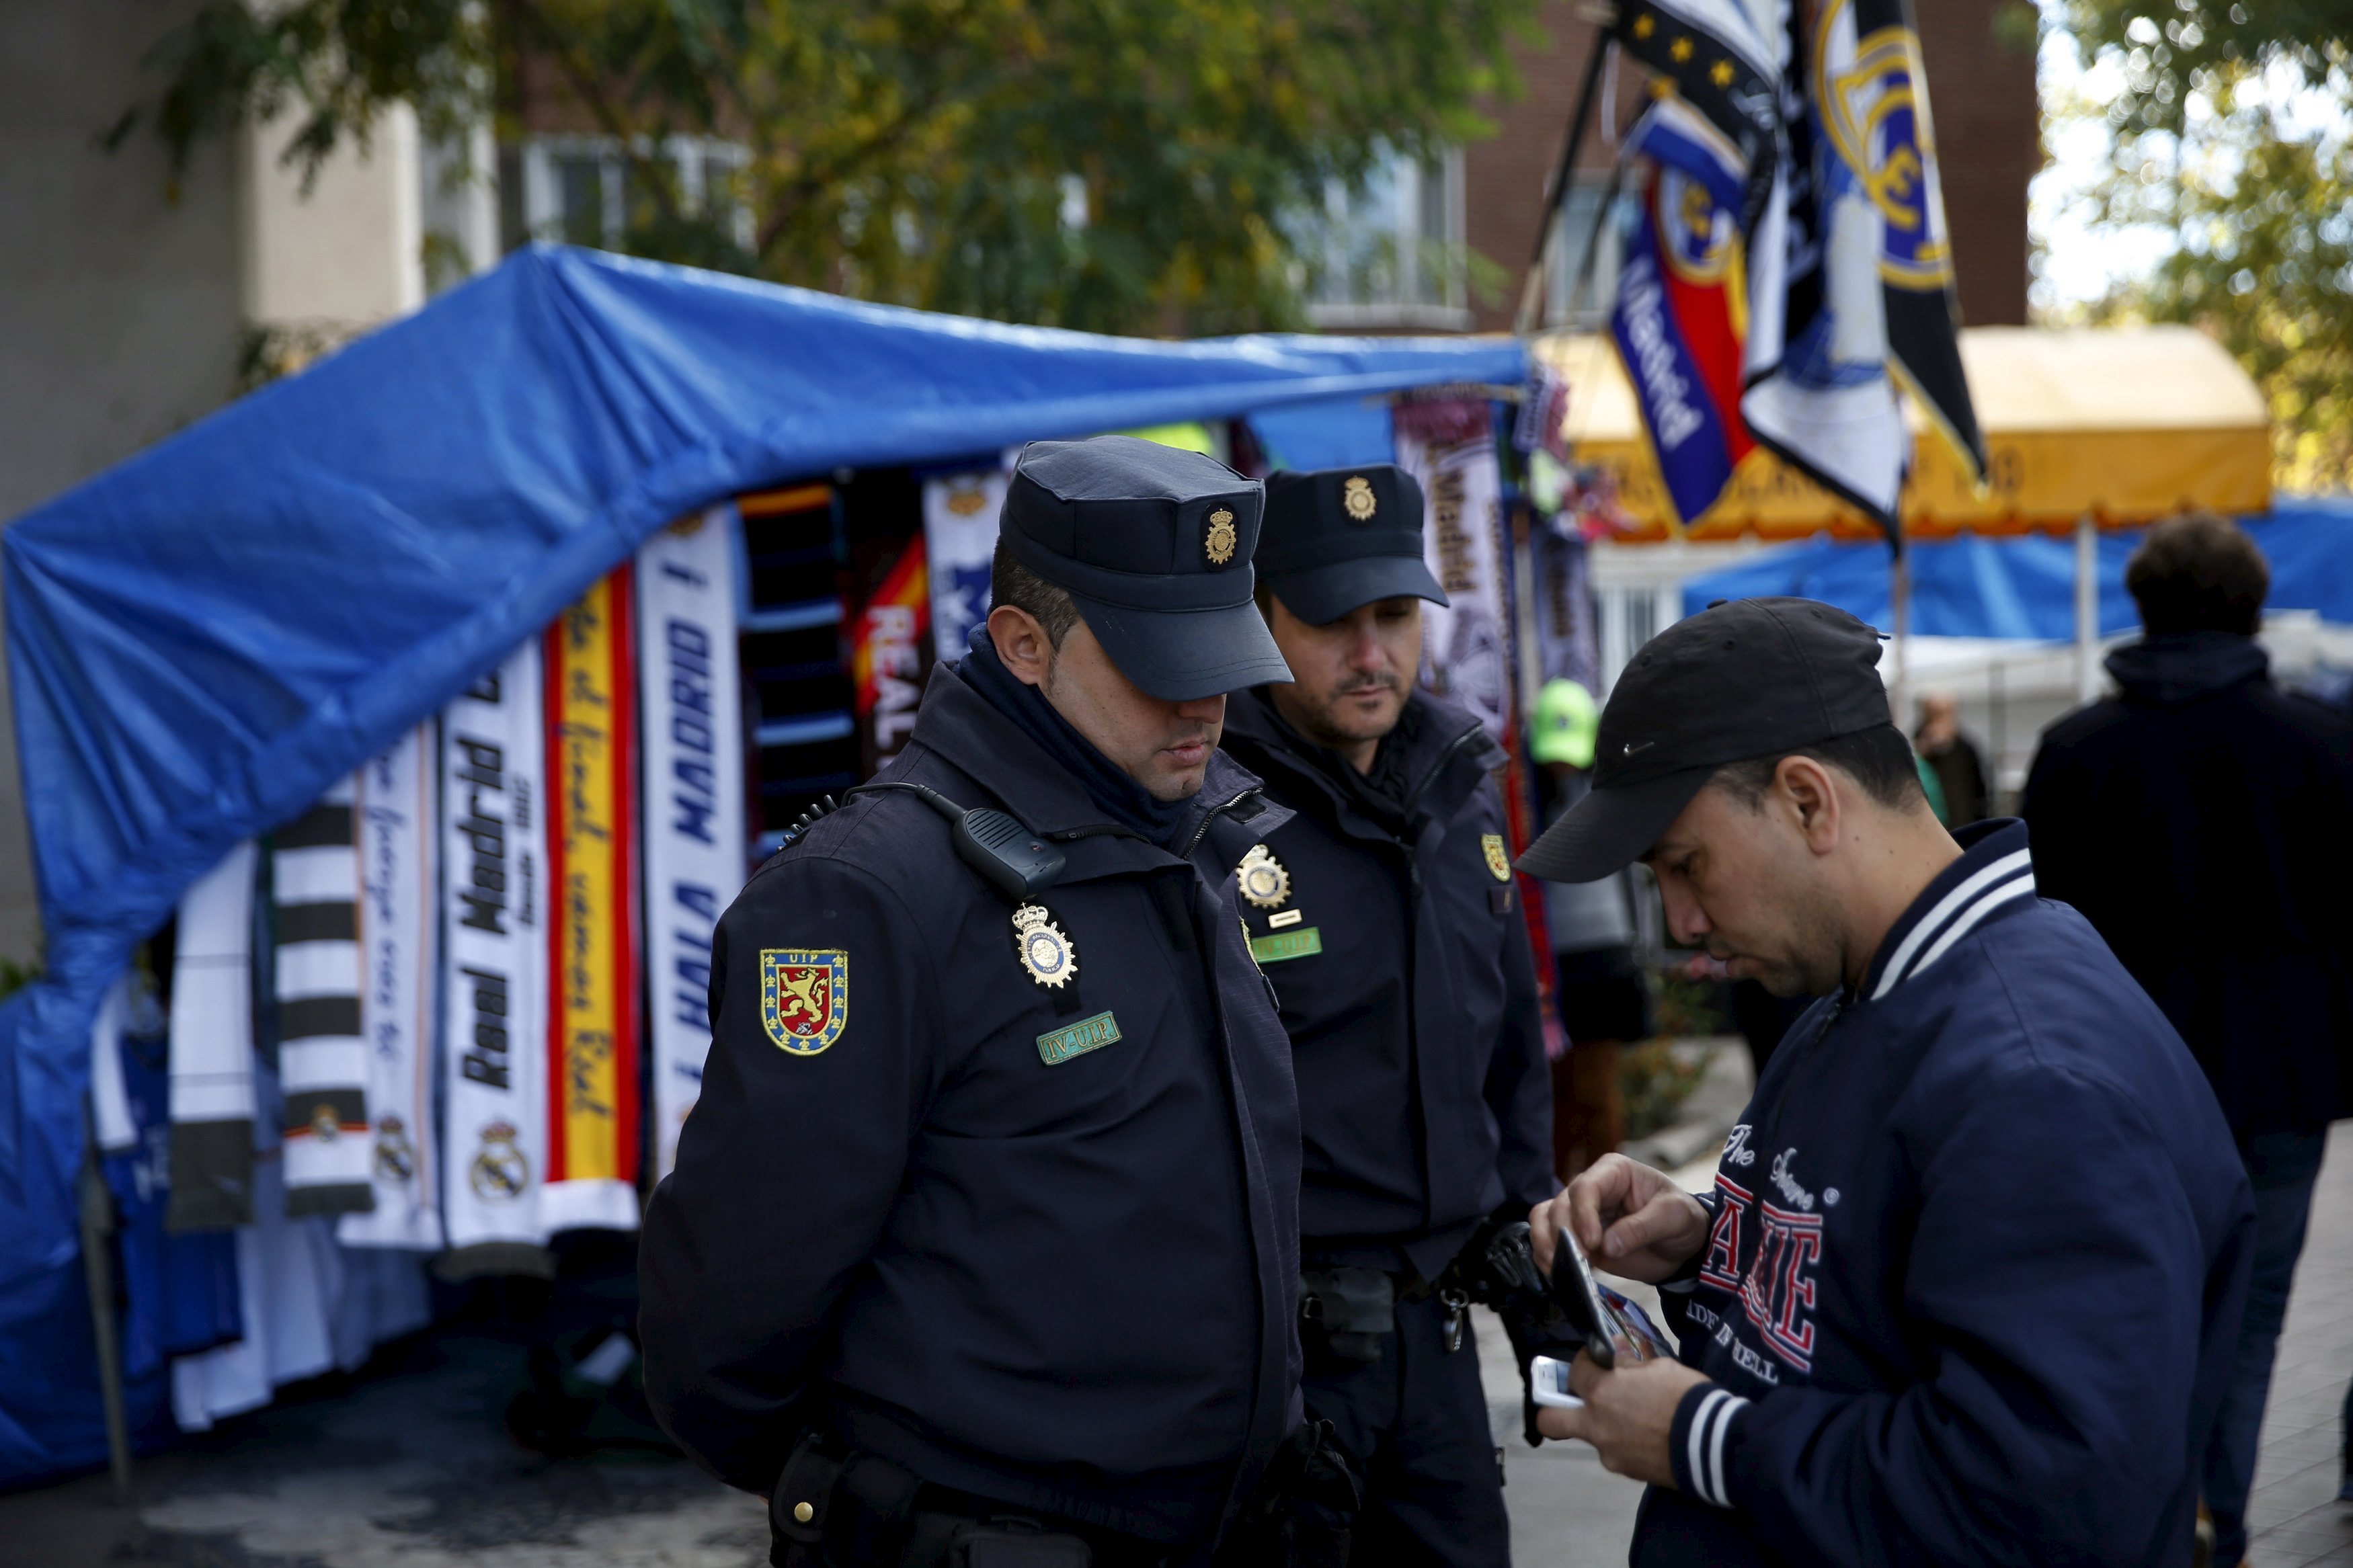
{"type": "Point", "coordinates": [1321, 726]}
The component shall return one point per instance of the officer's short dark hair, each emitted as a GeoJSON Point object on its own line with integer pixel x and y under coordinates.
{"type": "Point", "coordinates": [2198, 572]}
{"type": "Point", "coordinates": [1879, 759]}
{"type": "Point", "coordinates": [1011, 583]}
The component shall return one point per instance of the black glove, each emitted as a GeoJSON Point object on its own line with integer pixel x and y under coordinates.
{"type": "Point", "coordinates": [1497, 1269]}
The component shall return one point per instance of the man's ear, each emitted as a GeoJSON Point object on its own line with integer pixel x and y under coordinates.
{"type": "Point", "coordinates": [1808, 789]}
{"type": "Point", "coordinates": [1022, 644]}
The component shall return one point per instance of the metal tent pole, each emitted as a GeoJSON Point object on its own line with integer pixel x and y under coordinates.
{"type": "Point", "coordinates": [1532, 288]}
{"type": "Point", "coordinates": [2087, 609]}
{"type": "Point", "coordinates": [97, 1270]}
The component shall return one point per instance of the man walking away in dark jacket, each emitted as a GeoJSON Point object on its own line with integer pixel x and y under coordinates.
{"type": "Point", "coordinates": [2202, 820]}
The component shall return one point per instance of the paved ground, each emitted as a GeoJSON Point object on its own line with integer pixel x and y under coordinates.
{"type": "Point", "coordinates": [409, 1468]}
{"type": "Point", "coordinates": [2294, 1511]}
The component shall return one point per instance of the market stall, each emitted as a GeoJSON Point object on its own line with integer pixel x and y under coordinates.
{"type": "Point", "coordinates": [2086, 430]}
{"type": "Point", "coordinates": [402, 695]}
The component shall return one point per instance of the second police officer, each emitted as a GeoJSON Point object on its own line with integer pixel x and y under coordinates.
{"type": "Point", "coordinates": [982, 1245]}
{"type": "Point", "coordinates": [1385, 913]}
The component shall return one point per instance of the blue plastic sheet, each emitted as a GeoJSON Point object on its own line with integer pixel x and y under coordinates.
{"type": "Point", "coordinates": [2024, 586]}
{"type": "Point", "coordinates": [204, 637]}
{"type": "Point", "coordinates": [1334, 433]}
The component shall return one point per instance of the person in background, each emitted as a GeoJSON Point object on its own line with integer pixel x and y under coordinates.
{"type": "Point", "coordinates": [1604, 1005]}
{"type": "Point", "coordinates": [1953, 757]}
{"type": "Point", "coordinates": [2201, 820]}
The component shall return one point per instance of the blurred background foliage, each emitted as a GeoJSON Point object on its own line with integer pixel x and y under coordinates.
{"type": "Point", "coordinates": [1117, 166]}
{"type": "Point", "coordinates": [2230, 127]}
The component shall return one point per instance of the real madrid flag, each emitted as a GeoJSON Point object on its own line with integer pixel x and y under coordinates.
{"type": "Point", "coordinates": [1718, 59]}
{"type": "Point", "coordinates": [1864, 302]}
{"type": "Point", "coordinates": [1679, 320]}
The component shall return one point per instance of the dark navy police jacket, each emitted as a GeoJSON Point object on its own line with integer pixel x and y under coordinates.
{"type": "Point", "coordinates": [1407, 987]}
{"type": "Point", "coordinates": [1979, 1246]}
{"type": "Point", "coordinates": [1046, 1256]}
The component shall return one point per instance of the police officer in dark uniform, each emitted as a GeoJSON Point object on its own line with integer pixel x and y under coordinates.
{"type": "Point", "coordinates": [1385, 913]}
{"type": "Point", "coordinates": [982, 1242]}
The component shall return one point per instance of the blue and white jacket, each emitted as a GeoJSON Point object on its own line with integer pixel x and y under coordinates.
{"type": "Point", "coordinates": [1978, 1249]}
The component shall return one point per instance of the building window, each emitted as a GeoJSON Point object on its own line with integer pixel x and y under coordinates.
{"type": "Point", "coordinates": [1589, 311]}
{"type": "Point", "coordinates": [581, 191]}
{"type": "Point", "coordinates": [1391, 254]}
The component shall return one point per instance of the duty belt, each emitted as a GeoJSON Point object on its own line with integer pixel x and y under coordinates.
{"type": "Point", "coordinates": [856, 1509]}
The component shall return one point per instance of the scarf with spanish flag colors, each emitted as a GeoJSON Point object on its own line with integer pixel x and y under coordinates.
{"type": "Point", "coordinates": [591, 1153]}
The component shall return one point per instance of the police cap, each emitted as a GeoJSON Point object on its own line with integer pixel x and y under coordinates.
{"type": "Point", "coordinates": [1340, 538]}
{"type": "Point", "coordinates": [1154, 546]}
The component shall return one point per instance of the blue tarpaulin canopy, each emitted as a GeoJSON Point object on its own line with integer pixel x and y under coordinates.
{"type": "Point", "coordinates": [205, 636]}
{"type": "Point", "coordinates": [2024, 585]}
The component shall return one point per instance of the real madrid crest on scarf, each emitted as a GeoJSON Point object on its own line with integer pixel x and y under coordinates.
{"type": "Point", "coordinates": [1045, 951]}
{"type": "Point", "coordinates": [1497, 861]}
{"type": "Point", "coordinates": [804, 997]}
{"type": "Point", "coordinates": [1263, 880]}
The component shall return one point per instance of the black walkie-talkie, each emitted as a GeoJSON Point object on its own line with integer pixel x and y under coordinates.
{"type": "Point", "coordinates": [1009, 856]}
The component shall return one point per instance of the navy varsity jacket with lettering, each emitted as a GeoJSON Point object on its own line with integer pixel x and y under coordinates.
{"type": "Point", "coordinates": [1979, 1244]}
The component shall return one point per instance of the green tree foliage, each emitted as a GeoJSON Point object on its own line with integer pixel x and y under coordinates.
{"type": "Point", "coordinates": [2234, 131]}
{"type": "Point", "coordinates": [1138, 165]}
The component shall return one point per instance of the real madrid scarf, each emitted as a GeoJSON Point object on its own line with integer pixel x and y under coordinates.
{"type": "Point", "coordinates": [960, 513]}
{"type": "Point", "coordinates": [693, 818]}
{"type": "Point", "coordinates": [323, 1065]}
{"type": "Point", "coordinates": [494, 973]}
{"type": "Point", "coordinates": [1449, 446]}
{"type": "Point", "coordinates": [398, 830]}
{"type": "Point", "coordinates": [211, 1084]}
{"type": "Point", "coordinates": [592, 1156]}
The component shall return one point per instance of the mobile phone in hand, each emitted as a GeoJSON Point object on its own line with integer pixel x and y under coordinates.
{"type": "Point", "coordinates": [1579, 1295]}
{"type": "Point", "coordinates": [1549, 1384]}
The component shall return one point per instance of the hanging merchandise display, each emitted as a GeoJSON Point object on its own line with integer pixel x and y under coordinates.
{"type": "Point", "coordinates": [960, 514]}
{"type": "Point", "coordinates": [1449, 446]}
{"type": "Point", "coordinates": [211, 1092]}
{"type": "Point", "coordinates": [493, 1060]}
{"type": "Point", "coordinates": [592, 1155]}
{"type": "Point", "coordinates": [177, 1293]}
{"type": "Point", "coordinates": [305, 1305]}
{"type": "Point", "coordinates": [394, 800]}
{"type": "Point", "coordinates": [323, 1067]}
{"type": "Point", "coordinates": [887, 668]}
{"type": "Point", "coordinates": [690, 699]}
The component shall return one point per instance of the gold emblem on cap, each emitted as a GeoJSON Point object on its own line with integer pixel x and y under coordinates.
{"type": "Point", "coordinates": [1219, 545]}
{"type": "Point", "coordinates": [1044, 950]}
{"type": "Point", "coordinates": [1264, 882]}
{"type": "Point", "coordinates": [1356, 499]}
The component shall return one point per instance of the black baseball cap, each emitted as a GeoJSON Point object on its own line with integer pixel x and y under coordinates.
{"type": "Point", "coordinates": [1153, 544]}
{"type": "Point", "coordinates": [1743, 678]}
{"type": "Point", "coordinates": [1337, 539]}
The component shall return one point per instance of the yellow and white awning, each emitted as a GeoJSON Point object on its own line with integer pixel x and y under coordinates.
{"type": "Point", "coordinates": [2122, 424]}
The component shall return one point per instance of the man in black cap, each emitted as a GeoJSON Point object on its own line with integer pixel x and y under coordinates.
{"type": "Point", "coordinates": [1967, 1287]}
{"type": "Point", "coordinates": [1384, 913]}
{"type": "Point", "coordinates": [985, 1228]}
